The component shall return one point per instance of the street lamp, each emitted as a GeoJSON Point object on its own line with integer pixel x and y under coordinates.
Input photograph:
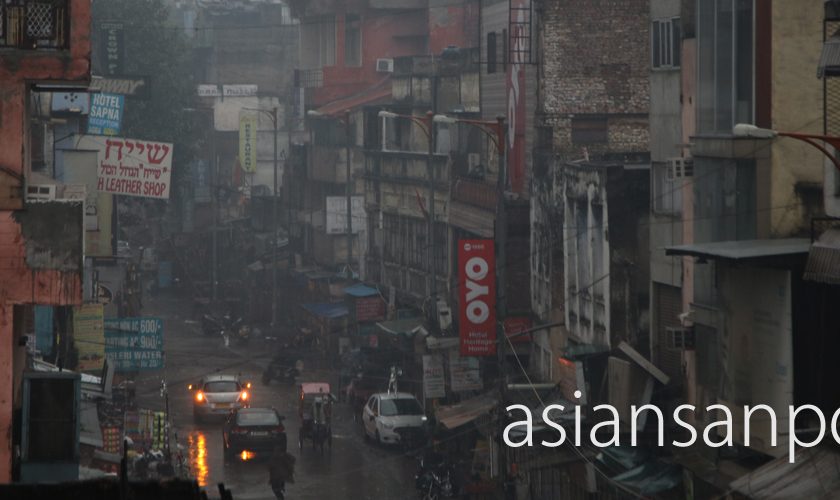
{"type": "Point", "coordinates": [426, 124]}
{"type": "Point", "coordinates": [348, 188]}
{"type": "Point", "coordinates": [273, 115]}
{"type": "Point", "coordinates": [749, 130]}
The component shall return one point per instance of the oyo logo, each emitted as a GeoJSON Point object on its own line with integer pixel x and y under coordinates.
{"type": "Point", "coordinates": [478, 311]}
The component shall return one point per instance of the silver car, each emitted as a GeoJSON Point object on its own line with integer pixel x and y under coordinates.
{"type": "Point", "coordinates": [217, 395]}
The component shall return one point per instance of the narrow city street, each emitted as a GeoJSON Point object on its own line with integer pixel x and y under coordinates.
{"type": "Point", "coordinates": [351, 469]}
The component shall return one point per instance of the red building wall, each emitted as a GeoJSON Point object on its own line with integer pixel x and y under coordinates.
{"type": "Point", "coordinates": [18, 283]}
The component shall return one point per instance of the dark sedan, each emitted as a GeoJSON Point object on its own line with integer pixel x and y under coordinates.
{"type": "Point", "coordinates": [253, 429]}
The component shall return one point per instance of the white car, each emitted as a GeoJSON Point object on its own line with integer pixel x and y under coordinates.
{"type": "Point", "coordinates": [386, 414]}
{"type": "Point", "coordinates": [218, 395]}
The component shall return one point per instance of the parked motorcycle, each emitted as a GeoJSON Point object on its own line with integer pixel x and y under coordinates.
{"type": "Point", "coordinates": [434, 480]}
{"type": "Point", "coordinates": [241, 331]}
{"type": "Point", "coordinates": [282, 369]}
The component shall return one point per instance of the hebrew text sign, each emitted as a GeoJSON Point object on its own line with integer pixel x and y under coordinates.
{"type": "Point", "coordinates": [133, 167]}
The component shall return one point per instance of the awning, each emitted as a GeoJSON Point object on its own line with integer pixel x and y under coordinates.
{"type": "Point", "coordinates": [328, 310]}
{"type": "Point", "coordinates": [401, 326]}
{"type": "Point", "coordinates": [381, 92]}
{"type": "Point", "coordinates": [812, 475]}
{"type": "Point", "coordinates": [823, 264]}
{"type": "Point", "coordinates": [743, 249]}
{"type": "Point", "coordinates": [476, 220]}
{"type": "Point", "coordinates": [456, 415]}
{"type": "Point", "coordinates": [360, 290]}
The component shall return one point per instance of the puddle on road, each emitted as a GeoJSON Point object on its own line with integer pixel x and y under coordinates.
{"type": "Point", "coordinates": [198, 456]}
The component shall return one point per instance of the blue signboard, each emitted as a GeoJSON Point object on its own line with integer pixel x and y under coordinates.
{"type": "Point", "coordinates": [105, 114]}
{"type": "Point", "coordinates": [133, 344]}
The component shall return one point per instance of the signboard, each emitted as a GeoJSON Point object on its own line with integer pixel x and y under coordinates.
{"type": "Point", "coordinates": [337, 214]}
{"type": "Point", "coordinates": [477, 297]}
{"type": "Point", "coordinates": [465, 374]}
{"type": "Point", "coordinates": [112, 47]}
{"type": "Point", "coordinates": [80, 171]}
{"type": "Point", "coordinates": [248, 142]}
{"type": "Point", "coordinates": [131, 167]}
{"type": "Point", "coordinates": [370, 309]}
{"type": "Point", "coordinates": [211, 90]}
{"type": "Point", "coordinates": [133, 344]}
{"type": "Point", "coordinates": [516, 324]}
{"type": "Point", "coordinates": [516, 92]}
{"type": "Point", "coordinates": [129, 86]}
{"type": "Point", "coordinates": [89, 336]}
{"type": "Point", "coordinates": [105, 114]}
{"type": "Point", "coordinates": [434, 383]}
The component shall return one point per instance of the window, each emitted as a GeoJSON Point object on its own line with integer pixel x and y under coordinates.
{"type": "Point", "coordinates": [724, 64]}
{"type": "Point", "coordinates": [589, 129]}
{"type": "Point", "coordinates": [665, 43]}
{"type": "Point", "coordinates": [326, 41]}
{"type": "Point", "coordinates": [394, 407]}
{"type": "Point", "coordinates": [667, 189]}
{"type": "Point", "coordinates": [221, 386]}
{"type": "Point", "coordinates": [257, 418]}
{"type": "Point", "coordinates": [352, 40]}
{"type": "Point", "coordinates": [491, 52]}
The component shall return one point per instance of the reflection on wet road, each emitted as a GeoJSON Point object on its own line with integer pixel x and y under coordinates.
{"type": "Point", "coordinates": [198, 456]}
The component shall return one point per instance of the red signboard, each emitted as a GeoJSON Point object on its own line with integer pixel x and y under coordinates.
{"type": "Point", "coordinates": [517, 324]}
{"type": "Point", "coordinates": [370, 309]}
{"type": "Point", "coordinates": [477, 297]}
{"type": "Point", "coordinates": [519, 47]}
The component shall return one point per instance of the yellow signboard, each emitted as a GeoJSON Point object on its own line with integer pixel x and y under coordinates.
{"type": "Point", "coordinates": [89, 335]}
{"type": "Point", "coordinates": [248, 142]}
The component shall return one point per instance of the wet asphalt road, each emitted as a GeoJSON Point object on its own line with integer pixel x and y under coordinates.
{"type": "Point", "coordinates": [351, 470]}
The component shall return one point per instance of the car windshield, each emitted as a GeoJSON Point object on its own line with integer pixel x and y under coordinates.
{"type": "Point", "coordinates": [221, 386]}
{"type": "Point", "coordinates": [394, 407]}
{"type": "Point", "coordinates": [257, 418]}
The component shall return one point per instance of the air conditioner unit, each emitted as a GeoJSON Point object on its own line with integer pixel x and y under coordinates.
{"type": "Point", "coordinates": [385, 65]}
{"type": "Point", "coordinates": [680, 338]}
{"type": "Point", "coordinates": [680, 168]}
{"type": "Point", "coordinates": [40, 192]}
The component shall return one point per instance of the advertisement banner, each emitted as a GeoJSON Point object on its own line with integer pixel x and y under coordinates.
{"type": "Point", "coordinates": [464, 373]}
{"type": "Point", "coordinates": [517, 324]}
{"type": "Point", "coordinates": [477, 297]}
{"type": "Point", "coordinates": [89, 336]}
{"type": "Point", "coordinates": [106, 112]}
{"type": "Point", "coordinates": [133, 344]}
{"type": "Point", "coordinates": [131, 167]}
{"type": "Point", "coordinates": [434, 383]}
{"type": "Point", "coordinates": [519, 47]}
{"type": "Point", "coordinates": [370, 309]}
{"type": "Point", "coordinates": [248, 142]}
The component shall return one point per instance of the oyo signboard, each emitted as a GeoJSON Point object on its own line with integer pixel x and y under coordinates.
{"type": "Point", "coordinates": [477, 297]}
{"type": "Point", "coordinates": [131, 167]}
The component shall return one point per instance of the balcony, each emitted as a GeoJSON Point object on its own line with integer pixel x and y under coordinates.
{"type": "Point", "coordinates": [309, 78]}
{"type": "Point", "coordinates": [474, 192]}
{"type": "Point", "coordinates": [34, 24]}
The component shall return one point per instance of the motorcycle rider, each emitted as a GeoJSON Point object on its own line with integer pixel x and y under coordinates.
{"type": "Point", "coordinates": [281, 470]}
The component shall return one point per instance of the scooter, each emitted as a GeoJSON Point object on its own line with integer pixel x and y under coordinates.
{"type": "Point", "coordinates": [434, 479]}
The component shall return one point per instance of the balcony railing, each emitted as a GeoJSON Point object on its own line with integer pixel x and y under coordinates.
{"type": "Point", "coordinates": [474, 192]}
{"type": "Point", "coordinates": [309, 78]}
{"type": "Point", "coordinates": [34, 24]}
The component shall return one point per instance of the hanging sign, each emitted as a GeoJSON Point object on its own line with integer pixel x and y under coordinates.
{"type": "Point", "coordinates": [477, 297]}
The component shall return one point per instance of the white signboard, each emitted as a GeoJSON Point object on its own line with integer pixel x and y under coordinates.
{"type": "Point", "coordinates": [132, 167]}
{"type": "Point", "coordinates": [205, 90]}
{"type": "Point", "coordinates": [239, 90]}
{"type": "Point", "coordinates": [464, 372]}
{"type": "Point", "coordinates": [337, 214]}
{"type": "Point", "coordinates": [434, 383]}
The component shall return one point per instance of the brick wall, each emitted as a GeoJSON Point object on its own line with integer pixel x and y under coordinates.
{"type": "Point", "coordinates": [595, 56]}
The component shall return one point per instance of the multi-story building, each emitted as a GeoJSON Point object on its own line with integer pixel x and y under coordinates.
{"type": "Point", "coordinates": [738, 317]}
{"type": "Point", "coordinates": [41, 250]}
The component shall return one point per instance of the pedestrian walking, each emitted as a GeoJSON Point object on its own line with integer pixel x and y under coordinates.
{"type": "Point", "coordinates": [281, 470]}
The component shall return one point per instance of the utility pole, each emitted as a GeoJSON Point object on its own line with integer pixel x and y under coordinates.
{"type": "Point", "coordinates": [214, 177]}
{"type": "Point", "coordinates": [349, 193]}
{"type": "Point", "coordinates": [274, 227]}
{"type": "Point", "coordinates": [430, 169]}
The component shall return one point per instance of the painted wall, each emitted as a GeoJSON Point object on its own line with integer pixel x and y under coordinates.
{"type": "Point", "coordinates": [19, 283]}
{"type": "Point", "coordinates": [797, 106]}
